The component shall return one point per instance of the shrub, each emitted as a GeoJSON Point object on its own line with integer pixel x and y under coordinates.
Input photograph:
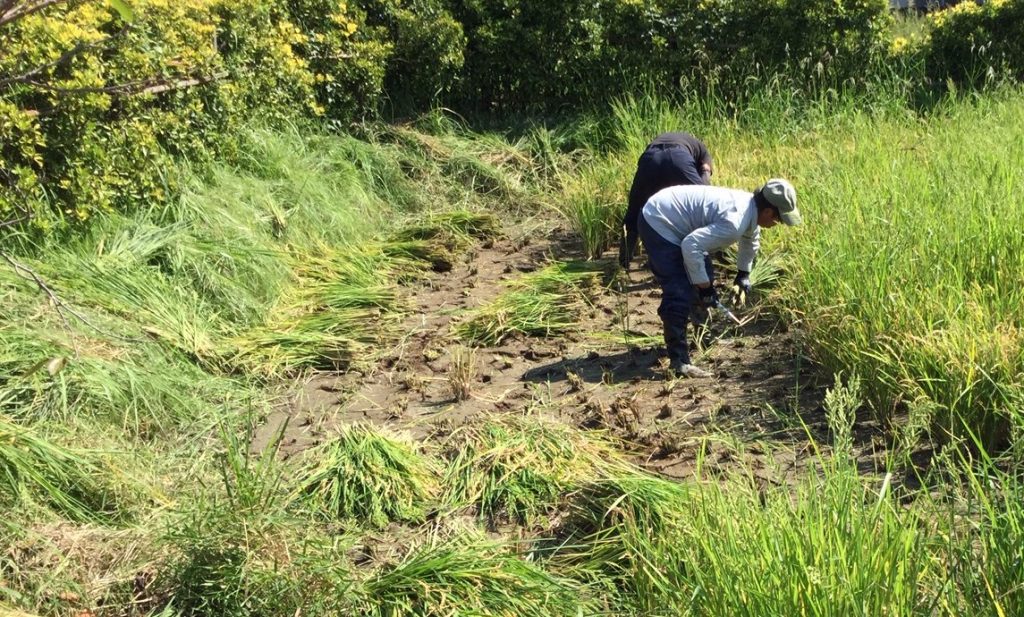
{"type": "Point", "coordinates": [428, 46]}
{"type": "Point", "coordinates": [91, 107]}
{"type": "Point", "coordinates": [971, 43]}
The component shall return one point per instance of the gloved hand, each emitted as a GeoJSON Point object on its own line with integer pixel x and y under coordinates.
{"type": "Point", "coordinates": [708, 296]}
{"type": "Point", "coordinates": [741, 287]}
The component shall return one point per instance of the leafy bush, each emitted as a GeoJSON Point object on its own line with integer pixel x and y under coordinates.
{"type": "Point", "coordinates": [428, 45]}
{"type": "Point", "coordinates": [573, 53]}
{"type": "Point", "coordinates": [92, 106]}
{"type": "Point", "coordinates": [971, 43]}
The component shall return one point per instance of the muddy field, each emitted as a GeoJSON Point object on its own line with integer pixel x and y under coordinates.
{"type": "Point", "coordinates": [762, 407]}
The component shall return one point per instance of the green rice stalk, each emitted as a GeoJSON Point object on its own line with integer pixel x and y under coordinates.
{"type": "Point", "coordinates": [368, 476]}
{"type": "Point", "coordinates": [624, 535]}
{"type": "Point", "coordinates": [466, 576]}
{"type": "Point", "coordinates": [517, 469]}
{"type": "Point", "coordinates": [543, 303]}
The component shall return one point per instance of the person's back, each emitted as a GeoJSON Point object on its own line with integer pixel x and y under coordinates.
{"type": "Point", "coordinates": [671, 159]}
{"type": "Point", "coordinates": [676, 211]}
{"type": "Point", "coordinates": [696, 148]}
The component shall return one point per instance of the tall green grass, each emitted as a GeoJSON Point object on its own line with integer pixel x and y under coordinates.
{"type": "Point", "coordinates": [74, 482]}
{"type": "Point", "coordinates": [908, 272]}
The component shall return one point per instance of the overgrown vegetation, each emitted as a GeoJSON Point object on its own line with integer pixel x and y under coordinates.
{"type": "Point", "coordinates": [195, 209]}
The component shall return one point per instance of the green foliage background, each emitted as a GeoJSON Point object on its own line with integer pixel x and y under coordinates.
{"type": "Point", "coordinates": [91, 131]}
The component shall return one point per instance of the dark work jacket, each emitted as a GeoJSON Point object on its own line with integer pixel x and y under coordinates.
{"type": "Point", "coordinates": [670, 160]}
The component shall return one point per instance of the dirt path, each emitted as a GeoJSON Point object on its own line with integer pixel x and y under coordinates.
{"type": "Point", "coordinates": [759, 407]}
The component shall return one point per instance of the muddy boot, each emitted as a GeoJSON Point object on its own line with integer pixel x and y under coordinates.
{"type": "Point", "coordinates": [676, 346]}
{"type": "Point", "coordinates": [679, 353]}
{"type": "Point", "coordinates": [690, 371]}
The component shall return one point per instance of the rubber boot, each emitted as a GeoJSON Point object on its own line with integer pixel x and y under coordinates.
{"type": "Point", "coordinates": [676, 345]}
{"type": "Point", "coordinates": [679, 353]}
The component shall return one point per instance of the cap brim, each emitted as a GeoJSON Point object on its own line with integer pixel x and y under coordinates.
{"type": "Point", "coordinates": [791, 218]}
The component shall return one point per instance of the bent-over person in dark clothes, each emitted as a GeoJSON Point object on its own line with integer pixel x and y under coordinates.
{"type": "Point", "coordinates": [671, 159]}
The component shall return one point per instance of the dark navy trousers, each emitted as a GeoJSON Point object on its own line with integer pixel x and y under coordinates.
{"type": "Point", "coordinates": [678, 295]}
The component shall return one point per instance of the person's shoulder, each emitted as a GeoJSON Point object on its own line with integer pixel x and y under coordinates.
{"type": "Point", "coordinates": [731, 199]}
{"type": "Point", "coordinates": [675, 137]}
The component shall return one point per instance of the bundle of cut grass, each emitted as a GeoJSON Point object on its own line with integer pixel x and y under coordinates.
{"type": "Point", "coordinates": [466, 576]}
{"type": "Point", "coordinates": [519, 468]}
{"type": "Point", "coordinates": [343, 305]}
{"type": "Point", "coordinates": [624, 534]}
{"type": "Point", "coordinates": [541, 303]}
{"type": "Point", "coordinates": [67, 480]}
{"type": "Point", "coordinates": [438, 237]}
{"type": "Point", "coordinates": [369, 476]}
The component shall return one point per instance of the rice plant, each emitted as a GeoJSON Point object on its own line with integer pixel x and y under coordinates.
{"type": "Point", "coordinates": [73, 482]}
{"type": "Point", "coordinates": [461, 373]}
{"type": "Point", "coordinates": [593, 201]}
{"type": "Point", "coordinates": [904, 276]}
{"type": "Point", "coordinates": [624, 536]}
{"type": "Point", "coordinates": [342, 307]}
{"type": "Point", "coordinates": [367, 476]}
{"type": "Point", "coordinates": [519, 468]}
{"type": "Point", "coordinates": [542, 303]}
{"type": "Point", "coordinates": [438, 237]}
{"type": "Point", "coordinates": [466, 575]}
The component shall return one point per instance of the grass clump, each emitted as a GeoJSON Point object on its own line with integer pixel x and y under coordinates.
{"type": "Point", "coordinates": [836, 543]}
{"type": "Point", "coordinates": [342, 306]}
{"type": "Point", "coordinates": [367, 476]}
{"type": "Point", "coordinates": [436, 239]}
{"type": "Point", "coordinates": [465, 575]}
{"type": "Point", "coordinates": [236, 549]}
{"type": "Point", "coordinates": [70, 481]}
{"type": "Point", "coordinates": [624, 536]}
{"type": "Point", "coordinates": [593, 201]}
{"type": "Point", "coordinates": [542, 303]}
{"type": "Point", "coordinates": [518, 468]}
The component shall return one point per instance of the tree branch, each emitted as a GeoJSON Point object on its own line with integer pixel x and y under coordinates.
{"type": "Point", "coordinates": [81, 47]}
{"type": "Point", "coordinates": [16, 220]}
{"type": "Point", "coordinates": [148, 86]}
{"type": "Point", "coordinates": [15, 12]}
{"type": "Point", "coordinates": [5, 6]}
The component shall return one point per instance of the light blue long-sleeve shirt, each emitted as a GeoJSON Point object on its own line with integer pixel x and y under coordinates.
{"type": "Point", "coordinates": [702, 219]}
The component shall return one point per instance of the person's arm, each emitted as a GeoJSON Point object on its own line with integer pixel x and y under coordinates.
{"type": "Point", "coordinates": [705, 165]}
{"type": "Point", "coordinates": [705, 240]}
{"type": "Point", "coordinates": [747, 250]}
{"type": "Point", "coordinates": [705, 174]}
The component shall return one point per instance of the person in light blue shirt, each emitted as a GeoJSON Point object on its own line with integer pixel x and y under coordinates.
{"type": "Point", "coordinates": [682, 225]}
